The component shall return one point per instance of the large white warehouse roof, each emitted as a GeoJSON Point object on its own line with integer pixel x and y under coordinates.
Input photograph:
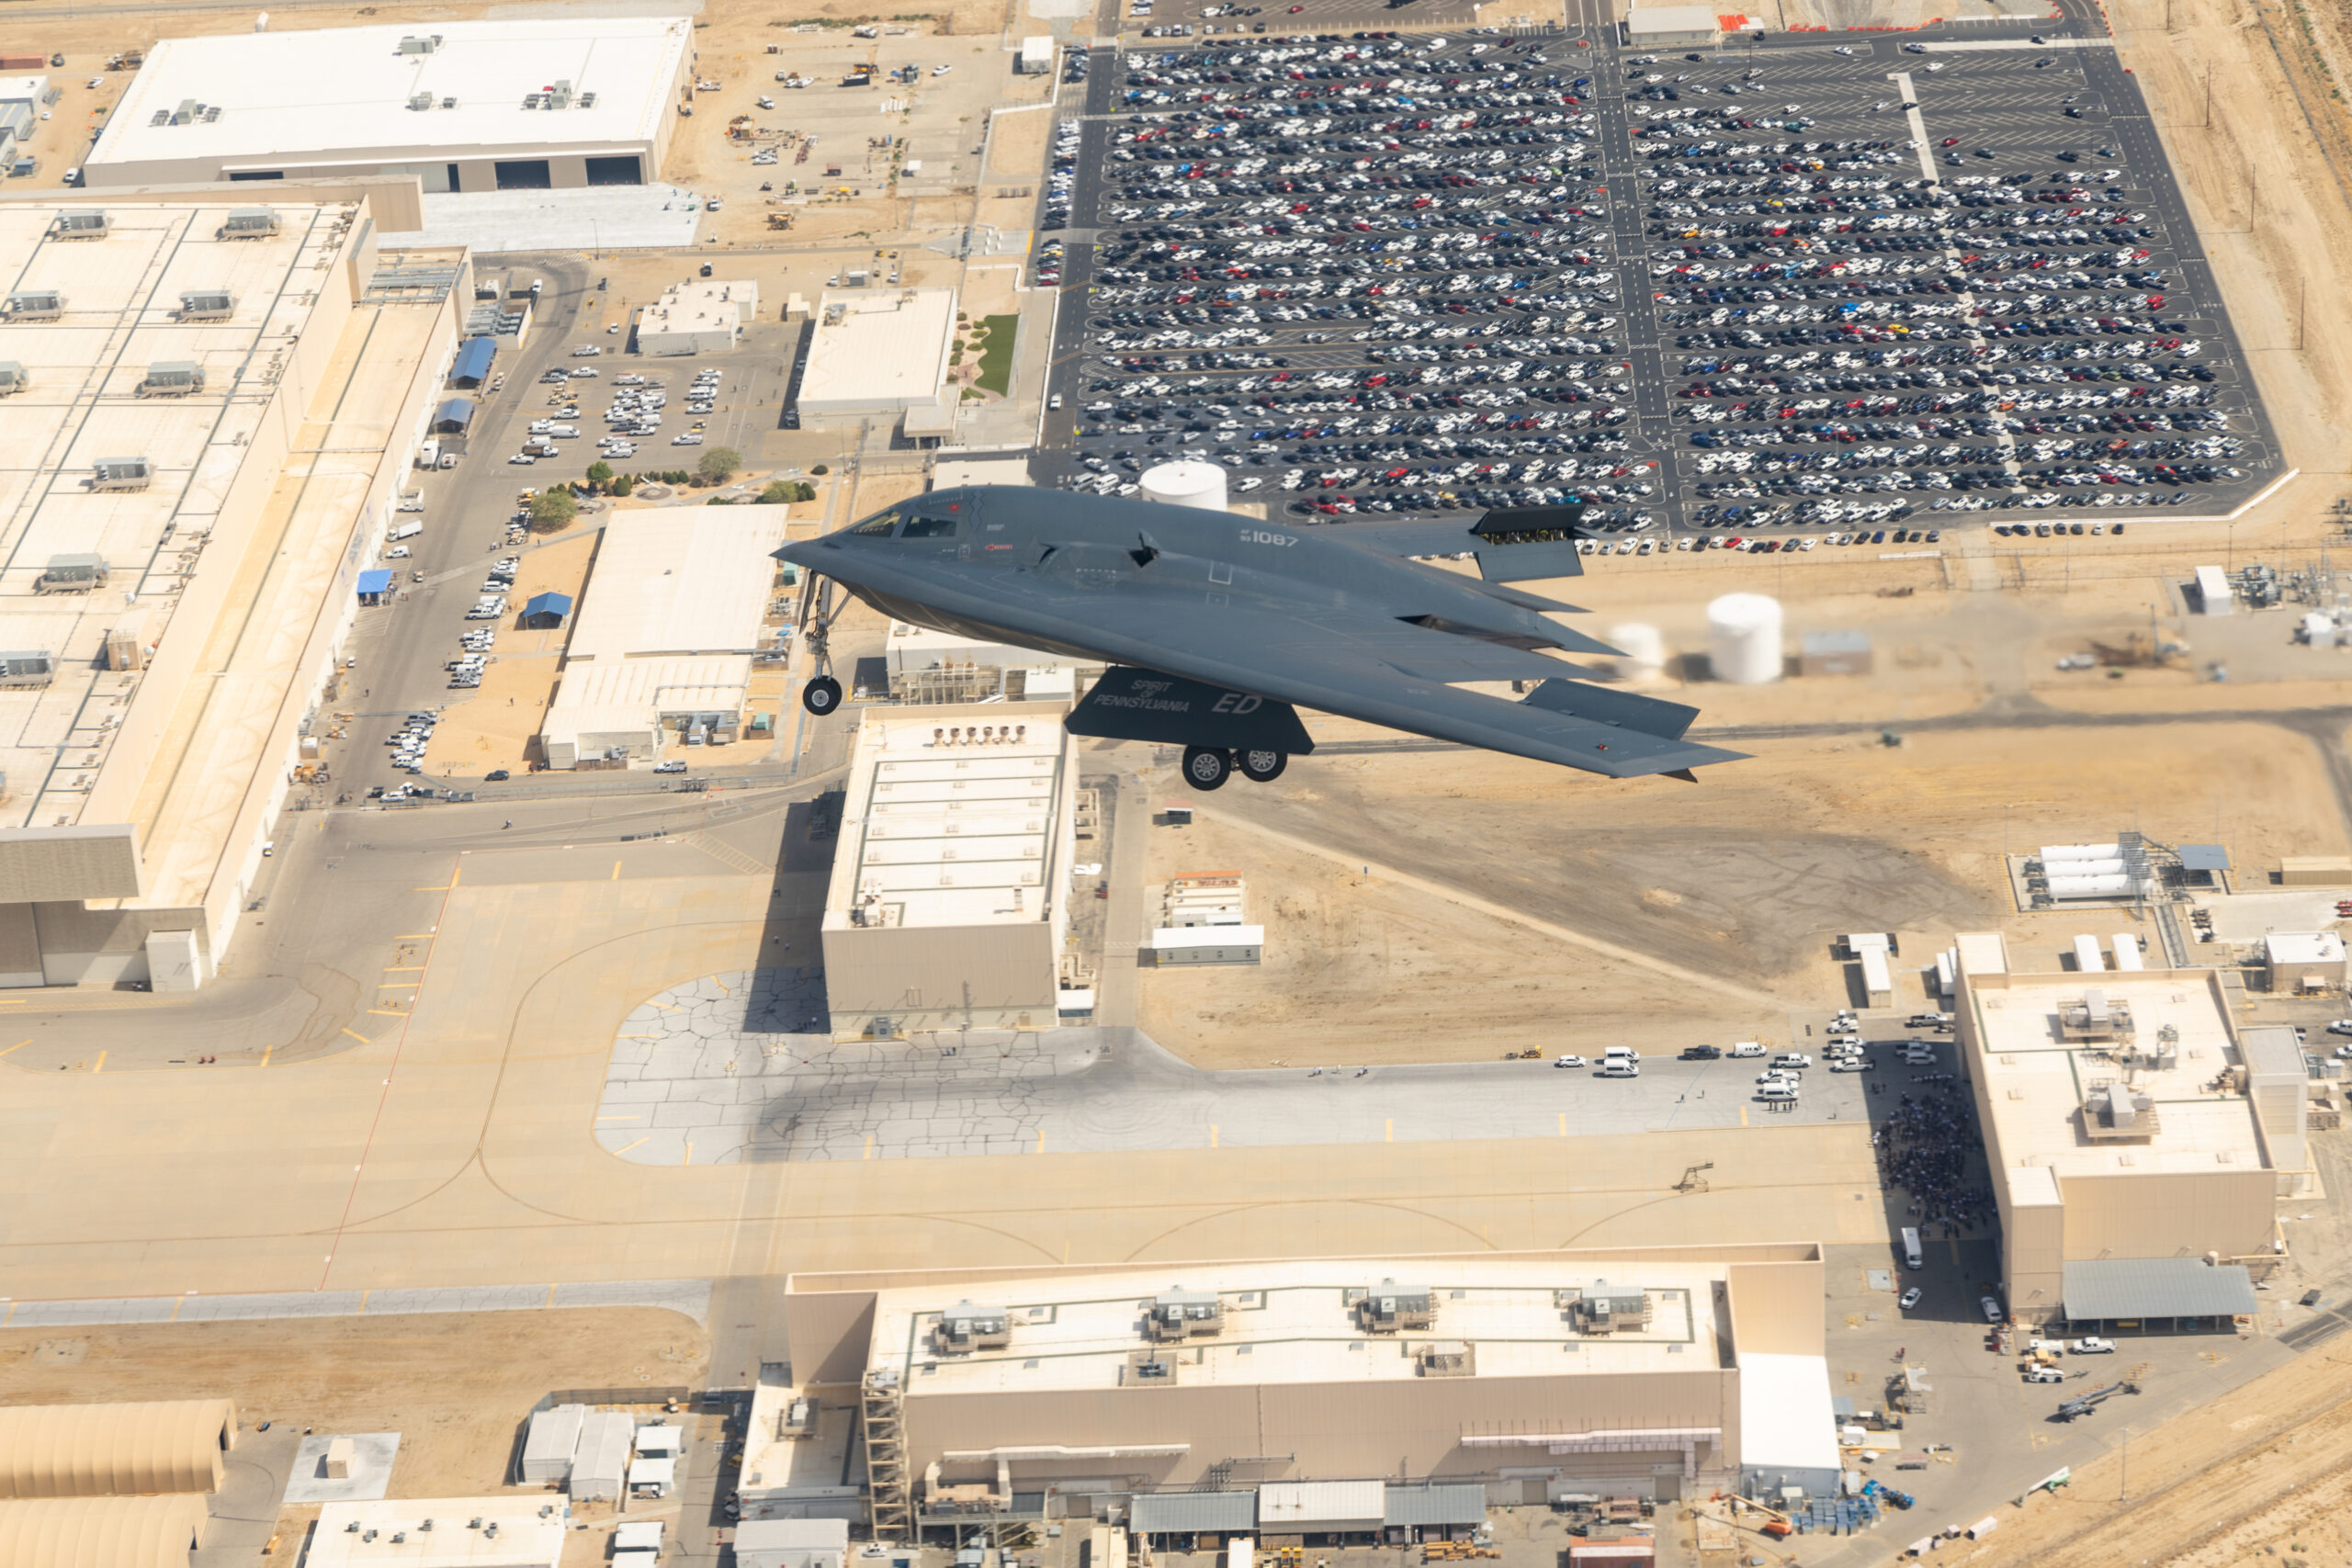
{"type": "Point", "coordinates": [303, 97]}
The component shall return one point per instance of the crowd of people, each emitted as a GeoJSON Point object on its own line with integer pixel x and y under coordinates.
{"type": "Point", "coordinates": [1924, 1147]}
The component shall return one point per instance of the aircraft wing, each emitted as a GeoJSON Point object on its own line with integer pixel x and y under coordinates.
{"type": "Point", "coordinates": [1396, 673]}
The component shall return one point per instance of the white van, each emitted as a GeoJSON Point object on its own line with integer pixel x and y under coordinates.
{"type": "Point", "coordinates": [1619, 1067]}
{"type": "Point", "coordinates": [1912, 1256]}
{"type": "Point", "coordinates": [1747, 1048]}
{"type": "Point", "coordinates": [1620, 1054]}
{"type": "Point", "coordinates": [1777, 1092]}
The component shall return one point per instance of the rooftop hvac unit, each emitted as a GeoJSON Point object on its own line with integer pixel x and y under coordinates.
{"type": "Point", "coordinates": [28, 668]}
{"type": "Point", "coordinates": [162, 117]}
{"type": "Point", "coordinates": [964, 1328]}
{"type": "Point", "coordinates": [448, 103]}
{"type": "Point", "coordinates": [1445, 1358]}
{"type": "Point", "coordinates": [12, 377]}
{"type": "Point", "coordinates": [71, 574]}
{"type": "Point", "coordinates": [187, 113]}
{"type": "Point", "coordinates": [35, 305]}
{"type": "Point", "coordinates": [530, 100]}
{"type": "Point", "coordinates": [211, 113]}
{"type": "Point", "coordinates": [421, 43]}
{"type": "Point", "coordinates": [250, 223]}
{"type": "Point", "coordinates": [122, 474]}
{"type": "Point", "coordinates": [207, 305]}
{"type": "Point", "coordinates": [560, 97]}
{"type": "Point", "coordinates": [420, 100]}
{"type": "Point", "coordinates": [86, 224]}
{"type": "Point", "coordinates": [1180, 1314]}
{"type": "Point", "coordinates": [172, 378]}
{"type": "Point", "coordinates": [587, 100]}
{"type": "Point", "coordinates": [1149, 1368]}
{"type": "Point", "coordinates": [1603, 1308]}
{"type": "Point", "coordinates": [1389, 1306]}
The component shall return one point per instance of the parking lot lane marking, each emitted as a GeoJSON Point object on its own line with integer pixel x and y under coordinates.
{"type": "Point", "coordinates": [361, 1038]}
{"type": "Point", "coordinates": [387, 1012]}
{"type": "Point", "coordinates": [18, 1045]}
{"type": "Point", "coordinates": [1902, 80]}
{"type": "Point", "coordinates": [100, 1066]}
{"type": "Point", "coordinates": [617, 871]}
{"type": "Point", "coordinates": [626, 1148]}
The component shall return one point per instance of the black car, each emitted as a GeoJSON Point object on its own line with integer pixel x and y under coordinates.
{"type": "Point", "coordinates": [1699, 1053]}
{"type": "Point", "coordinates": [496, 775]}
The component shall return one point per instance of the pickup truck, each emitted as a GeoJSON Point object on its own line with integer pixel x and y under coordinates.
{"type": "Point", "coordinates": [1699, 1053]}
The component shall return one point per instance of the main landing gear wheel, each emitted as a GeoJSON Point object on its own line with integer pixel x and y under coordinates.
{"type": "Point", "coordinates": [1207, 767]}
{"type": "Point", "coordinates": [1261, 767]}
{"type": "Point", "coordinates": [821, 696]}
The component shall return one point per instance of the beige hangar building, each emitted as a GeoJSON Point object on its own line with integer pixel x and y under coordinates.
{"type": "Point", "coordinates": [1327, 1398]}
{"type": "Point", "coordinates": [2139, 1142]}
{"type": "Point", "coordinates": [206, 410]}
{"type": "Point", "coordinates": [534, 104]}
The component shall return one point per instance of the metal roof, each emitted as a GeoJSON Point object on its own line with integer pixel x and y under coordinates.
{"type": "Point", "coordinates": [558, 603]}
{"type": "Point", "coordinates": [473, 359]}
{"type": "Point", "coordinates": [1178, 1513]}
{"type": "Point", "coordinates": [2204, 857]}
{"type": "Point", "coordinates": [376, 582]}
{"type": "Point", "coordinates": [101, 1451]}
{"type": "Point", "coordinates": [457, 412]}
{"type": "Point", "coordinates": [1455, 1505]}
{"type": "Point", "coordinates": [1307, 1504]}
{"type": "Point", "coordinates": [2102, 1290]}
{"type": "Point", "coordinates": [102, 1532]}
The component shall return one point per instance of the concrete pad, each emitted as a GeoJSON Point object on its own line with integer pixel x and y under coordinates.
{"type": "Point", "coordinates": [610, 218]}
{"type": "Point", "coordinates": [371, 1469]}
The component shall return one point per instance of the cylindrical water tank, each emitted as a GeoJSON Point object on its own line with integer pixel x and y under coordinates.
{"type": "Point", "coordinates": [2090, 886]}
{"type": "Point", "coordinates": [1643, 650]}
{"type": "Point", "coordinates": [2052, 854]}
{"type": "Point", "coordinates": [2088, 868]}
{"type": "Point", "coordinates": [1744, 639]}
{"type": "Point", "coordinates": [1185, 484]}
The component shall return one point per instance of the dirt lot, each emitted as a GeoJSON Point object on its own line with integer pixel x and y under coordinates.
{"type": "Point", "coordinates": [496, 726]}
{"type": "Point", "coordinates": [455, 1387]}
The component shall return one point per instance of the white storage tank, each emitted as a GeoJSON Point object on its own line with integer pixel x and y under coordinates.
{"type": "Point", "coordinates": [1744, 639]}
{"type": "Point", "coordinates": [2052, 853]}
{"type": "Point", "coordinates": [1643, 650]}
{"type": "Point", "coordinates": [2090, 888]}
{"type": "Point", "coordinates": [1185, 484]}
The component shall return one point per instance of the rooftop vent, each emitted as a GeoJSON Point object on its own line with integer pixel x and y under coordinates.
{"type": "Point", "coordinates": [1180, 1314]}
{"type": "Point", "coordinates": [122, 474]}
{"type": "Point", "coordinates": [1389, 1306]}
{"type": "Point", "coordinates": [12, 377]}
{"type": "Point", "coordinates": [172, 378]}
{"type": "Point", "coordinates": [207, 305]}
{"type": "Point", "coordinates": [448, 103]}
{"type": "Point", "coordinates": [420, 100]}
{"type": "Point", "coordinates": [86, 224]}
{"type": "Point", "coordinates": [965, 1327]}
{"type": "Point", "coordinates": [587, 100]}
{"type": "Point", "coordinates": [250, 223]}
{"type": "Point", "coordinates": [1149, 1368]}
{"type": "Point", "coordinates": [530, 100]}
{"type": "Point", "coordinates": [35, 305]}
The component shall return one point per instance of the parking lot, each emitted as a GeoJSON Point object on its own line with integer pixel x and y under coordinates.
{"type": "Point", "coordinates": [1857, 290]}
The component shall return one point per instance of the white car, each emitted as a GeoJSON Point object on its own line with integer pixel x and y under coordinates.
{"type": "Point", "coordinates": [1569, 1060]}
{"type": "Point", "coordinates": [941, 70]}
{"type": "Point", "coordinates": [674, 765]}
{"type": "Point", "coordinates": [2092, 1346]}
{"type": "Point", "coordinates": [1990, 1307]}
{"type": "Point", "coordinates": [685, 441]}
{"type": "Point", "coordinates": [587, 351]}
{"type": "Point", "coordinates": [2341, 1026]}
{"type": "Point", "coordinates": [1774, 1075]}
{"type": "Point", "coordinates": [1910, 1298]}
{"type": "Point", "coordinates": [1793, 1059]}
{"type": "Point", "coordinates": [525, 458]}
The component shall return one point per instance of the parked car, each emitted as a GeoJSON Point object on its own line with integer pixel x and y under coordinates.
{"type": "Point", "coordinates": [1747, 1048]}
{"type": "Point", "coordinates": [1571, 1061]}
{"type": "Point", "coordinates": [2045, 1374]}
{"type": "Point", "coordinates": [496, 775]}
{"type": "Point", "coordinates": [1991, 1308]}
{"type": "Point", "coordinates": [1699, 1053]}
{"type": "Point", "coordinates": [674, 765]}
{"type": "Point", "coordinates": [1793, 1059]}
{"type": "Point", "coordinates": [2092, 1346]}
{"type": "Point", "coordinates": [1909, 1298]}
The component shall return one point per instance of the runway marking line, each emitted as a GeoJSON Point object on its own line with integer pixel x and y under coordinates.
{"type": "Point", "coordinates": [1041, 1140]}
{"type": "Point", "coordinates": [361, 1038]}
{"type": "Point", "coordinates": [1743, 1116]}
{"type": "Point", "coordinates": [626, 1148]}
{"type": "Point", "coordinates": [18, 1045]}
{"type": "Point", "coordinates": [1212, 1135]}
{"type": "Point", "coordinates": [869, 1146]}
{"type": "Point", "coordinates": [402, 968]}
{"type": "Point", "coordinates": [617, 871]}
{"type": "Point", "coordinates": [268, 1051]}
{"type": "Point", "coordinates": [637, 1118]}
{"type": "Point", "coordinates": [387, 1012]}
{"type": "Point", "coordinates": [1388, 1130]}
{"type": "Point", "coordinates": [100, 1066]}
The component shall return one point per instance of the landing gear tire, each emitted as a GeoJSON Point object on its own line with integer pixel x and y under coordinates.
{"type": "Point", "coordinates": [1261, 767]}
{"type": "Point", "coordinates": [1207, 767]}
{"type": "Point", "coordinates": [821, 696]}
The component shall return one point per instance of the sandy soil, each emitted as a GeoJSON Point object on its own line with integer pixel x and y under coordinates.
{"type": "Point", "coordinates": [455, 1387]}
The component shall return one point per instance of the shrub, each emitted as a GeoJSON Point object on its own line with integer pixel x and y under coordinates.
{"type": "Point", "coordinates": [553, 511]}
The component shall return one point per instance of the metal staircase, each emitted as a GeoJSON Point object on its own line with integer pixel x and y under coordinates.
{"type": "Point", "coordinates": [886, 1484]}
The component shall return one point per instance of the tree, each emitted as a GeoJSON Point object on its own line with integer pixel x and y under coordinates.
{"type": "Point", "coordinates": [720, 464]}
{"type": "Point", "coordinates": [553, 510]}
{"type": "Point", "coordinates": [780, 491]}
{"type": "Point", "coordinates": [821, 470]}
{"type": "Point", "coordinates": [624, 484]}
{"type": "Point", "coordinates": [600, 473]}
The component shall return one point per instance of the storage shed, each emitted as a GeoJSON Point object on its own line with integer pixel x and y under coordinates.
{"type": "Point", "coordinates": [2303, 961]}
{"type": "Point", "coordinates": [473, 362]}
{"type": "Point", "coordinates": [454, 417]}
{"type": "Point", "coordinates": [546, 612]}
{"type": "Point", "coordinates": [600, 1464]}
{"type": "Point", "coordinates": [112, 1450]}
{"type": "Point", "coordinates": [792, 1543]}
{"type": "Point", "coordinates": [548, 1447]}
{"type": "Point", "coordinates": [374, 586]}
{"type": "Point", "coordinates": [1206, 944]}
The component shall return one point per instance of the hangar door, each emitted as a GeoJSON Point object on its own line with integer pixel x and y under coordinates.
{"type": "Point", "coordinates": [628, 171]}
{"type": "Point", "coordinates": [524, 173]}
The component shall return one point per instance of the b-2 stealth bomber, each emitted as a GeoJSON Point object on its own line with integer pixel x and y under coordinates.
{"type": "Point", "coordinates": [1217, 628]}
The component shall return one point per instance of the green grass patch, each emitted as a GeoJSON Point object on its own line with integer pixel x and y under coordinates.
{"type": "Point", "coordinates": [996, 354]}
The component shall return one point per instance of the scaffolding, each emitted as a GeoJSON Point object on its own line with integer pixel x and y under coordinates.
{"type": "Point", "coordinates": [883, 1414]}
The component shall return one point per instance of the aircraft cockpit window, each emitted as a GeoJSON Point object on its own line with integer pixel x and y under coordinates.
{"type": "Point", "coordinates": [929, 528]}
{"type": "Point", "coordinates": [877, 527]}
